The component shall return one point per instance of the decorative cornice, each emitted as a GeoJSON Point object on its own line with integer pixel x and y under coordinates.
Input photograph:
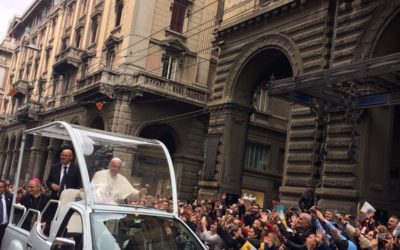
{"type": "Point", "coordinates": [260, 15]}
{"type": "Point", "coordinates": [219, 107]}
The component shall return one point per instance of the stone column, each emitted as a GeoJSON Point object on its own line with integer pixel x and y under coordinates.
{"type": "Point", "coordinates": [51, 158]}
{"type": "Point", "coordinates": [300, 154]}
{"type": "Point", "coordinates": [340, 185]}
{"type": "Point", "coordinates": [35, 159]}
{"type": "Point", "coordinates": [3, 156]}
{"type": "Point", "coordinates": [187, 174]}
{"type": "Point", "coordinates": [120, 121]}
{"type": "Point", "coordinates": [14, 163]}
{"type": "Point", "coordinates": [226, 144]}
{"type": "Point", "coordinates": [7, 164]}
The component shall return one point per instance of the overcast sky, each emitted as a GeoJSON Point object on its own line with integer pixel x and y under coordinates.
{"type": "Point", "coordinates": [9, 9]}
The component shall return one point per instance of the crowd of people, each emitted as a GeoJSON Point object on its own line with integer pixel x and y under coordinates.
{"type": "Point", "coordinates": [237, 226]}
{"type": "Point", "coordinates": [221, 226]}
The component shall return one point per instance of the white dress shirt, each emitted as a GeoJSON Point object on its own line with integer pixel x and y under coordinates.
{"type": "Point", "coordinates": [62, 171]}
{"type": "Point", "coordinates": [4, 219]}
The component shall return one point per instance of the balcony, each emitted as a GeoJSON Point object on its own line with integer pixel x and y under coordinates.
{"type": "Point", "coordinates": [2, 120]}
{"type": "Point", "coordinates": [28, 112]}
{"type": "Point", "coordinates": [68, 59]}
{"type": "Point", "coordinates": [21, 88]}
{"type": "Point", "coordinates": [9, 119]}
{"type": "Point", "coordinates": [194, 94]}
{"type": "Point", "coordinates": [97, 85]}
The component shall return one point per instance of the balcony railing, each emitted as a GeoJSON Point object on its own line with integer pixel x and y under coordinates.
{"type": "Point", "coordinates": [2, 120]}
{"type": "Point", "coordinates": [97, 83]}
{"type": "Point", "coordinates": [21, 87]}
{"type": "Point", "coordinates": [28, 112]}
{"type": "Point", "coordinates": [9, 119]}
{"type": "Point", "coordinates": [197, 95]}
{"type": "Point", "coordinates": [67, 59]}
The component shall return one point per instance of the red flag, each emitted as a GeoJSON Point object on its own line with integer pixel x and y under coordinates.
{"type": "Point", "coordinates": [99, 105]}
{"type": "Point", "coordinates": [13, 91]}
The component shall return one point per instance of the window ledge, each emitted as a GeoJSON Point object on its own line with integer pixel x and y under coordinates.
{"type": "Point", "coordinates": [92, 47]}
{"type": "Point", "coordinates": [116, 30]}
{"type": "Point", "coordinates": [169, 32]}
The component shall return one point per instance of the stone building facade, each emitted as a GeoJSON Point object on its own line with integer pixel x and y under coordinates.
{"type": "Point", "coordinates": [340, 61]}
{"type": "Point", "coordinates": [6, 50]}
{"type": "Point", "coordinates": [212, 80]}
{"type": "Point", "coordinates": [135, 67]}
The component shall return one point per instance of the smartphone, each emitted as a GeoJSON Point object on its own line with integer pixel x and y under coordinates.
{"type": "Point", "coordinates": [221, 206]}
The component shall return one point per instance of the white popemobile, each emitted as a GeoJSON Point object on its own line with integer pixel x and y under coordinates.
{"type": "Point", "coordinates": [132, 206]}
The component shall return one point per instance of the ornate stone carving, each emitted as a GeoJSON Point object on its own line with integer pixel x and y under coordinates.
{"type": "Point", "coordinates": [367, 40]}
{"type": "Point", "coordinates": [274, 41]}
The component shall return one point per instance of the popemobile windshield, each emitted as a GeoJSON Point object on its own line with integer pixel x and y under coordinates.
{"type": "Point", "coordinates": [128, 196]}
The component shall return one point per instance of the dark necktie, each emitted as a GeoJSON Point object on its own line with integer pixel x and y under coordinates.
{"type": "Point", "coordinates": [1, 210]}
{"type": "Point", "coordinates": [64, 178]}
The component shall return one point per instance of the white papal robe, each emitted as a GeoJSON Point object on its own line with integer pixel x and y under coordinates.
{"type": "Point", "coordinates": [111, 189]}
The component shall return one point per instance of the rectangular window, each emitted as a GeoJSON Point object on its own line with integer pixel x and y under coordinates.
{"type": "Point", "coordinates": [65, 84]}
{"type": "Point", "coordinates": [110, 58]}
{"type": "Point", "coordinates": [94, 31]}
{"type": "Point", "coordinates": [85, 69]}
{"type": "Point", "coordinates": [47, 59]}
{"type": "Point", "coordinates": [20, 74]}
{"type": "Point", "coordinates": [178, 15]}
{"type": "Point", "coordinates": [41, 91]}
{"type": "Point", "coordinates": [28, 71]}
{"type": "Point", "coordinates": [118, 12]}
{"type": "Point", "coordinates": [256, 156]}
{"type": "Point", "coordinates": [37, 60]}
{"type": "Point", "coordinates": [55, 83]}
{"type": "Point", "coordinates": [64, 44]}
{"type": "Point", "coordinates": [53, 27]}
{"type": "Point", "coordinates": [2, 76]}
{"type": "Point", "coordinates": [78, 38]}
{"type": "Point", "coordinates": [261, 101]}
{"type": "Point", "coordinates": [70, 16]}
{"type": "Point", "coordinates": [83, 7]}
{"type": "Point", "coordinates": [211, 156]}
{"type": "Point", "coordinates": [170, 67]}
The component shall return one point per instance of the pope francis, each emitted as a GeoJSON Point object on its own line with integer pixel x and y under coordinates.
{"type": "Point", "coordinates": [112, 187]}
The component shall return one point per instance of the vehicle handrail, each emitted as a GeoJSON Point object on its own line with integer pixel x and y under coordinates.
{"type": "Point", "coordinates": [19, 207]}
{"type": "Point", "coordinates": [50, 202]}
{"type": "Point", "coordinates": [39, 215]}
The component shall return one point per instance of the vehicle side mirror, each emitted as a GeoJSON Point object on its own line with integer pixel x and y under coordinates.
{"type": "Point", "coordinates": [60, 243]}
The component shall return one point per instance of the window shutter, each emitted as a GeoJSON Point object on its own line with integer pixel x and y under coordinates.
{"type": "Point", "coordinates": [178, 16]}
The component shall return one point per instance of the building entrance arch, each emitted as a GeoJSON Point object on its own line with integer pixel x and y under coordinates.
{"type": "Point", "coordinates": [381, 133]}
{"type": "Point", "coordinates": [246, 119]}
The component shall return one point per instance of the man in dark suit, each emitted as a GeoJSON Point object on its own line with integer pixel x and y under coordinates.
{"type": "Point", "coordinates": [5, 208]}
{"type": "Point", "coordinates": [63, 175]}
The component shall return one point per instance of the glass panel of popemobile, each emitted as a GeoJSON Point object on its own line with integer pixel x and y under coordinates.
{"type": "Point", "coordinates": [118, 170]}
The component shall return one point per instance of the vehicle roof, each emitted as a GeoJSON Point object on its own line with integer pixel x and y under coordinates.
{"type": "Point", "coordinates": [87, 142]}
